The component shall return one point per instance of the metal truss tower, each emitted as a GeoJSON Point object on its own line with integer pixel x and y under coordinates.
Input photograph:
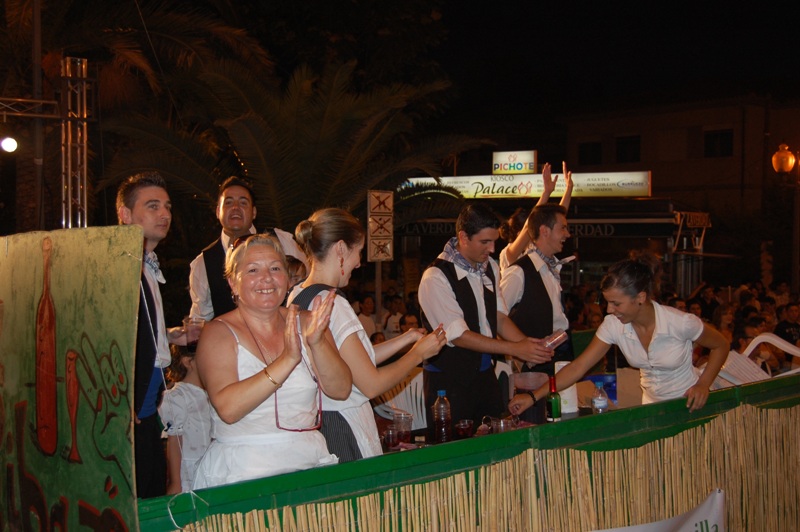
{"type": "Point", "coordinates": [74, 110]}
{"type": "Point", "coordinates": [74, 143]}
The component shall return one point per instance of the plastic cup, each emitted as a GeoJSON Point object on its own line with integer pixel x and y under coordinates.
{"type": "Point", "coordinates": [556, 339]}
{"type": "Point", "coordinates": [192, 328]}
{"type": "Point", "coordinates": [402, 421]}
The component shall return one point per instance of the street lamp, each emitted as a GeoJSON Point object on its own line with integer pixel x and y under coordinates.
{"type": "Point", "coordinates": [9, 144]}
{"type": "Point", "coordinates": [7, 141]}
{"type": "Point", "coordinates": [783, 161]}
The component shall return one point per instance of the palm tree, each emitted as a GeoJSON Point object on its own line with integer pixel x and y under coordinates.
{"type": "Point", "coordinates": [310, 144]}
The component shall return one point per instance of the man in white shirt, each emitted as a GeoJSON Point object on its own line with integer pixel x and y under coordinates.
{"type": "Point", "coordinates": [460, 290]}
{"type": "Point", "coordinates": [531, 287]}
{"type": "Point", "coordinates": [236, 211]}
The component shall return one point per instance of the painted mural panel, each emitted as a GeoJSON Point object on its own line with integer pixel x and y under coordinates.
{"type": "Point", "coordinates": [68, 308]}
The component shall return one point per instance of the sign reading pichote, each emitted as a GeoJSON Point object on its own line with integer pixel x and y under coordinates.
{"type": "Point", "coordinates": [514, 162]}
{"type": "Point", "coordinates": [380, 226]}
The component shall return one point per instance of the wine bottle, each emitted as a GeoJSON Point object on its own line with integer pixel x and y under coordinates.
{"type": "Point", "coordinates": [553, 402]}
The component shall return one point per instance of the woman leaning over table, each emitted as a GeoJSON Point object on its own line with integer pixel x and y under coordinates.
{"type": "Point", "coordinates": [265, 368]}
{"type": "Point", "coordinates": [333, 240]}
{"type": "Point", "coordinates": [654, 338]}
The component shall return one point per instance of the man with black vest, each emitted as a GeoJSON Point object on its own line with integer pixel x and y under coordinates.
{"type": "Point", "coordinates": [142, 200]}
{"type": "Point", "coordinates": [532, 285]}
{"type": "Point", "coordinates": [236, 211]}
{"type": "Point", "coordinates": [460, 289]}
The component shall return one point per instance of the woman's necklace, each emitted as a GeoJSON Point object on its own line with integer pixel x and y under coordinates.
{"type": "Point", "coordinates": [258, 342]}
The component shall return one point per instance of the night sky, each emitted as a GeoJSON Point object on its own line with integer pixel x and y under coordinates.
{"type": "Point", "coordinates": [523, 63]}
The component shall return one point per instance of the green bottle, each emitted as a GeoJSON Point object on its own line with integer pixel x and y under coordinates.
{"type": "Point", "coordinates": [553, 402]}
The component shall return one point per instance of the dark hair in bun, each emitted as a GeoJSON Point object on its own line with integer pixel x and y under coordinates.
{"type": "Point", "coordinates": [640, 273]}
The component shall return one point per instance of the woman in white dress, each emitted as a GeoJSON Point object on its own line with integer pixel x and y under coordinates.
{"type": "Point", "coordinates": [654, 338]}
{"type": "Point", "coordinates": [265, 368]}
{"type": "Point", "coordinates": [333, 240]}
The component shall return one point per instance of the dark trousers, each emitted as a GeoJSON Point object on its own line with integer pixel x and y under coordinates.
{"type": "Point", "coordinates": [339, 437]}
{"type": "Point", "coordinates": [151, 462]}
{"type": "Point", "coordinates": [470, 397]}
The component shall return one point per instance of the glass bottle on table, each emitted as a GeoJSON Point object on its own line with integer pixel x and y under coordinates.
{"type": "Point", "coordinates": [553, 402]}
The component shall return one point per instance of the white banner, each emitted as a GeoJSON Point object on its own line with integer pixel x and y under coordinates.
{"type": "Point", "coordinates": [595, 185]}
{"type": "Point", "coordinates": [708, 517]}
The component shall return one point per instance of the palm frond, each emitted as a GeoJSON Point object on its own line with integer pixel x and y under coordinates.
{"type": "Point", "coordinates": [420, 202]}
{"type": "Point", "coordinates": [183, 159]}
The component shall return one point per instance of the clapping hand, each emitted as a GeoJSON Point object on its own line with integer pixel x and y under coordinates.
{"type": "Point", "coordinates": [291, 342]}
{"type": "Point", "coordinates": [319, 319]}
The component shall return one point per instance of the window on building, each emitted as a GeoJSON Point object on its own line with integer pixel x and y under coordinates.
{"type": "Point", "coordinates": [590, 153]}
{"type": "Point", "coordinates": [718, 143]}
{"type": "Point", "coordinates": [629, 149]}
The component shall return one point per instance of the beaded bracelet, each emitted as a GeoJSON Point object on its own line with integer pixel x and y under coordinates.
{"type": "Point", "coordinates": [530, 392]}
{"type": "Point", "coordinates": [273, 381]}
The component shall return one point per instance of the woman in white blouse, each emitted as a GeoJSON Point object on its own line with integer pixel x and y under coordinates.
{"type": "Point", "coordinates": [654, 338]}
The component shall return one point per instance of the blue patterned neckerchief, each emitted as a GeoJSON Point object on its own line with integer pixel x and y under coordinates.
{"type": "Point", "coordinates": [452, 254]}
{"type": "Point", "coordinates": [553, 264]}
{"type": "Point", "coordinates": [152, 262]}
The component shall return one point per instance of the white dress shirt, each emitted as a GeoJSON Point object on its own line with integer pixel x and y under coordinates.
{"type": "Point", "coordinates": [198, 283]}
{"type": "Point", "coordinates": [437, 300]}
{"type": "Point", "coordinates": [666, 366]}
{"type": "Point", "coordinates": [163, 357]}
{"type": "Point", "coordinates": [512, 286]}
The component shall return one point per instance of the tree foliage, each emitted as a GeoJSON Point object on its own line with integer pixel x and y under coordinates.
{"type": "Point", "coordinates": [311, 143]}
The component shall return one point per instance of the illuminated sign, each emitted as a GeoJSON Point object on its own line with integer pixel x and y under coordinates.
{"type": "Point", "coordinates": [606, 184]}
{"type": "Point", "coordinates": [514, 162]}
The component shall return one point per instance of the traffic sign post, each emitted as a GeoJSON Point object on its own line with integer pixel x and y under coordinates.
{"type": "Point", "coordinates": [380, 236]}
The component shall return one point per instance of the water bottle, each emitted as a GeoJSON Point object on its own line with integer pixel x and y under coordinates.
{"type": "Point", "coordinates": [441, 419]}
{"type": "Point", "coordinates": [599, 399]}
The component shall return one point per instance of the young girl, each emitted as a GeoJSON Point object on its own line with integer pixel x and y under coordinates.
{"type": "Point", "coordinates": [186, 414]}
